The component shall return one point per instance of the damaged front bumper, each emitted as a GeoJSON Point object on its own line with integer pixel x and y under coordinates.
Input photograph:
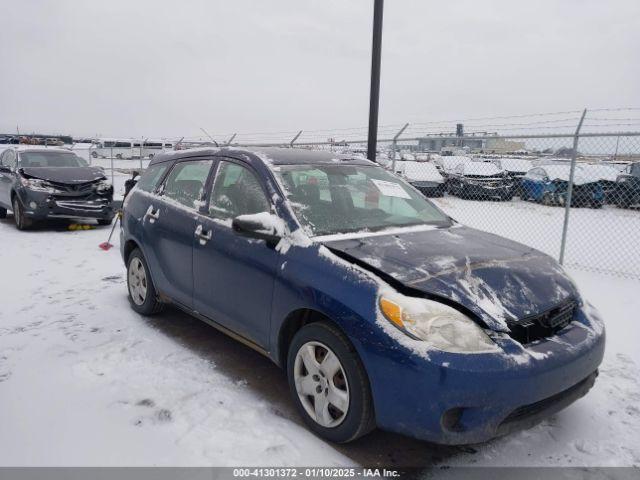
{"type": "Point", "coordinates": [459, 399]}
{"type": "Point", "coordinates": [40, 206]}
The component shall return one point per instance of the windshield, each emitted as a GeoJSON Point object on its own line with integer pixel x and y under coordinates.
{"type": "Point", "coordinates": [329, 199]}
{"type": "Point", "coordinates": [51, 159]}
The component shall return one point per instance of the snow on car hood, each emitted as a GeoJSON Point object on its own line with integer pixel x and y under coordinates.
{"type": "Point", "coordinates": [68, 175]}
{"type": "Point", "coordinates": [497, 279]}
{"type": "Point", "coordinates": [481, 169]}
{"type": "Point", "coordinates": [419, 171]}
{"type": "Point", "coordinates": [516, 165]}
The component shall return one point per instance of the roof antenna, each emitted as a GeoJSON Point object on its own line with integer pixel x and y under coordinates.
{"type": "Point", "coordinates": [210, 137]}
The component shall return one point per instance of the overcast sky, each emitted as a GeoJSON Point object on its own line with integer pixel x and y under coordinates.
{"type": "Point", "coordinates": [167, 68]}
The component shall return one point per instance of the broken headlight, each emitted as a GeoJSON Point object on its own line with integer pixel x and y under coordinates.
{"type": "Point", "coordinates": [442, 327]}
{"type": "Point", "coordinates": [38, 185]}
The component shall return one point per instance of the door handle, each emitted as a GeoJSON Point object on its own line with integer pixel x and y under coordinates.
{"type": "Point", "coordinates": [152, 215]}
{"type": "Point", "coordinates": [203, 235]}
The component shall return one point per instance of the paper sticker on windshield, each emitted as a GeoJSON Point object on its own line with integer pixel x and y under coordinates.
{"type": "Point", "coordinates": [391, 189]}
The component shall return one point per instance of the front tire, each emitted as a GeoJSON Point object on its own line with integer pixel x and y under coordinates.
{"type": "Point", "coordinates": [21, 220]}
{"type": "Point", "coordinates": [329, 384]}
{"type": "Point", "coordinates": [3, 212]}
{"type": "Point", "coordinates": [142, 294]}
{"type": "Point", "coordinates": [105, 221]}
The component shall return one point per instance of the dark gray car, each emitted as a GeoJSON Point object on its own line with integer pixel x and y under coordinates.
{"type": "Point", "coordinates": [38, 183]}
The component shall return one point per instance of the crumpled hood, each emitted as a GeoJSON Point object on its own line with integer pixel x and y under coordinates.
{"type": "Point", "coordinates": [68, 175]}
{"type": "Point", "coordinates": [497, 279]}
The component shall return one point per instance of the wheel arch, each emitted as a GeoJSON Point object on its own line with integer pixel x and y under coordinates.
{"type": "Point", "coordinates": [292, 323]}
{"type": "Point", "coordinates": [129, 246]}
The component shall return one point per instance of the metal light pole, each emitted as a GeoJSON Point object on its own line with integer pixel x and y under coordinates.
{"type": "Point", "coordinates": [374, 96]}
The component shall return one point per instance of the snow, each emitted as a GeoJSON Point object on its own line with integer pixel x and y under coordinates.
{"type": "Point", "coordinates": [516, 165]}
{"type": "Point", "coordinates": [449, 163]}
{"type": "Point", "coordinates": [419, 171]}
{"type": "Point", "coordinates": [600, 172]}
{"type": "Point", "coordinates": [86, 381]}
{"type": "Point", "coordinates": [563, 173]}
{"type": "Point", "coordinates": [485, 169]}
{"type": "Point", "coordinates": [364, 233]}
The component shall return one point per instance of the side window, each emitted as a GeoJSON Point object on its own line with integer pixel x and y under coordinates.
{"type": "Point", "coordinates": [185, 183]}
{"type": "Point", "coordinates": [151, 177]}
{"type": "Point", "coordinates": [236, 191]}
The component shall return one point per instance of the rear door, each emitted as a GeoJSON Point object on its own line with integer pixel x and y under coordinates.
{"type": "Point", "coordinates": [234, 275]}
{"type": "Point", "coordinates": [169, 226]}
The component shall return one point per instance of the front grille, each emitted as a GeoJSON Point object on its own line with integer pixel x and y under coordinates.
{"type": "Point", "coordinates": [543, 325]}
{"type": "Point", "coordinates": [76, 189]}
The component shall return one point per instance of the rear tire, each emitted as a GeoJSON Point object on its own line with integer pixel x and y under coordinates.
{"type": "Point", "coordinates": [547, 200]}
{"type": "Point", "coordinates": [21, 220]}
{"type": "Point", "coordinates": [142, 294]}
{"type": "Point", "coordinates": [3, 212]}
{"type": "Point", "coordinates": [318, 382]}
{"type": "Point", "coordinates": [105, 221]}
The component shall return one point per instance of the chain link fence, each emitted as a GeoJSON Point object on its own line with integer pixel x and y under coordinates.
{"type": "Point", "coordinates": [575, 197]}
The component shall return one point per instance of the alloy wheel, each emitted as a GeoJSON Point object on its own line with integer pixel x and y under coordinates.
{"type": "Point", "coordinates": [137, 281]}
{"type": "Point", "coordinates": [321, 384]}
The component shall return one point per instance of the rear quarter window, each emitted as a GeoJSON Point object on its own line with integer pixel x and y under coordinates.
{"type": "Point", "coordinates": [152, 176]}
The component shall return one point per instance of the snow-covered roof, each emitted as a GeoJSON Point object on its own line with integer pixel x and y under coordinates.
{"type": "Point", "coordinates": [600, 172]}
{"type": "Point", "coordinates": [449, 163]}
{"type": "Point", "coordinates": [515, 165]}
{"type": "Point", "coordinates": [563, 172]}
{"type": "Point", "coordinates": [481, 168]}
{"type": "Point", "coordinates": [419, 171]}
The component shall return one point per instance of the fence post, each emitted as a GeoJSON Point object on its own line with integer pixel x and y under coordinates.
{"type": "Point", "coordinates": [293, 140]}
{"type": "Point", "coordinates": [141, 147]}
{"type": "Point", "coordinates": [394, 147]}
{"type": "Point", "coordinates": [112, 175]}
{"type": "Point", "coordinates": [567, 207]}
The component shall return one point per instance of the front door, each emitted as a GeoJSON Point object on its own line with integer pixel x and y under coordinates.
{"type": "Point", "coordinates": [234, 275]}
{"type": "Point", "coordinates": [169, 226]}
{"type": "Point", "coordinates": [7, 159]}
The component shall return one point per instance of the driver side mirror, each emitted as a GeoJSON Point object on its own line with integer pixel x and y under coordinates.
{"type": "Point", "coordinates": [262, 226]}
{"type": "Point", "coordinates": [130, 183]}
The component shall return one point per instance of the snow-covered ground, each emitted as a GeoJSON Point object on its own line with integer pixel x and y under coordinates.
{"type": "Point", "coordinates": [86, 381]}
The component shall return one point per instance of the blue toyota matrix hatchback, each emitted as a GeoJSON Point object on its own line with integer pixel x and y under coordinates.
{"type": "Point", "coordinates": [383, 310]}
